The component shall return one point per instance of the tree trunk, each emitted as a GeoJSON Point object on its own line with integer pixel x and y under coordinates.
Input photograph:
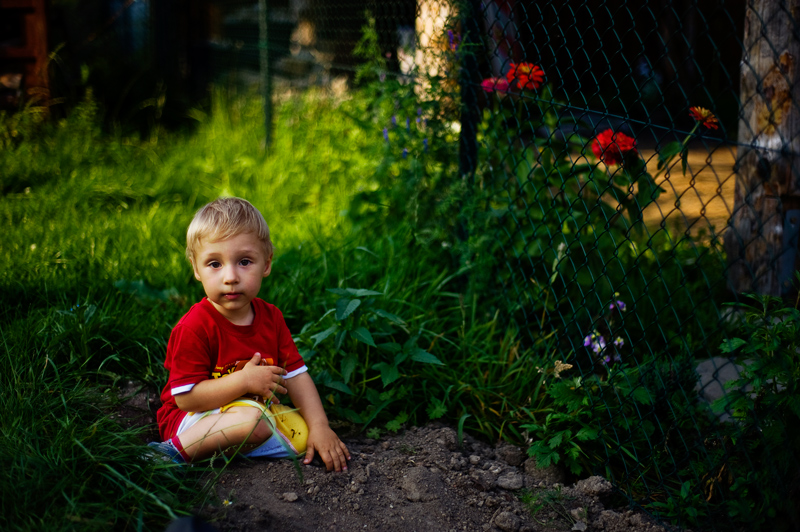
{"type": "Point", "coordinates": [768, 178]}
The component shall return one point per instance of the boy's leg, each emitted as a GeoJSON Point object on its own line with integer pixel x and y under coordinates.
{"type": "Point", "coordinates": [239, 428]}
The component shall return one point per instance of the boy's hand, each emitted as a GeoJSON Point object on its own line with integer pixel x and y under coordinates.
{"type": "Point", "coordinates": [263, 380]}
{"type": "Point", "coordinates": [324, 442]}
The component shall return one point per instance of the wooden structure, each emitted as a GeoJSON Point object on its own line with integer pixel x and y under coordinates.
{"type": "Point", "coordinates": [762, 242]}
{"type": "Point", "coordinates": [23, 45]}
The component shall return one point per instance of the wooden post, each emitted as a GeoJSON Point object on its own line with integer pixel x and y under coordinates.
{"type": "Point", "coordinates": [265, 74]}
{"type": "Point", "coordinates": [768, 177]}
{"type": "Point", "coordinates": [30, 55]}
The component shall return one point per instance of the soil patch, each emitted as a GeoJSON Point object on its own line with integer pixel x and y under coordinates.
{"type": "Point", "coordinates": [418, 480]}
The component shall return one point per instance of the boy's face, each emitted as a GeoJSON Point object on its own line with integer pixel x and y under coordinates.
{"type": "Point", "coordinates": [231, 271]}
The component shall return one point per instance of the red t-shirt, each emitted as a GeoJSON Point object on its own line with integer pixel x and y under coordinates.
{"type": "Point", "coordinates": [204, 345]}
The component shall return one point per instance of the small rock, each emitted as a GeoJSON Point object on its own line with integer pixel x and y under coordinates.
{"type": "Point", "coordinates": [356, 506]}
{"type": "Point", "coordinates": [484, 479]}
{"type": "Point", "coordinates": [290, 496]}
{"type": "Point", "coordinates": [510, 454]}
{"type": "Point", "coordinates": [548, 475]}
{"type": "Point", "coordinates": [510, 481]}
{"type": "Point", "coordinates": [580, 526]}
{"type": "Point", "coordinates": [577, 513]}
{"type": "Point", "coordinates": [474, 459]}
{"type": "Point", "coordinates": [595, 486]}
{"type": "Point", "coordinates": [506, 521]}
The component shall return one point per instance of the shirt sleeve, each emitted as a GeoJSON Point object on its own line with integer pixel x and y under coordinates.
{"type": "Point", "coordinates": [288, 356]}
{"type": "Point", "coordinates": [188, 359]}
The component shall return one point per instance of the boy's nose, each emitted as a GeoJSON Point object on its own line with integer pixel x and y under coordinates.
{"type": "Point", "coordinates": [230, 275]}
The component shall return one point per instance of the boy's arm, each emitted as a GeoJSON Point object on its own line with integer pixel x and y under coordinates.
{"type": "Point", "coordinates": [214, 393]}
{"type": "Point", "coordinates": [321, 439]}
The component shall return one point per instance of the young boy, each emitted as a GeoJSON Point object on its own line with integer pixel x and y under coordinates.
{"type": "Point", "coordinates": [204, 411]}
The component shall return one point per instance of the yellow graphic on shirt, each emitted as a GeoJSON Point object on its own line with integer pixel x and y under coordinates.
{"type": "Point", "coordinates": [221, 371]}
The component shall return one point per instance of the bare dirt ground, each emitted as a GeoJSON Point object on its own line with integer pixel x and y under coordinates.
{"type": "Point", "coordinates": [421, 479]}
{"type": "Point", "coordinates": [701, 200]}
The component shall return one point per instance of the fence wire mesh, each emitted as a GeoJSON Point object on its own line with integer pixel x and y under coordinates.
{"type": "Point", "coordinates": [613, 197]}
{"type": "Point", "coordinates": [635, 163]}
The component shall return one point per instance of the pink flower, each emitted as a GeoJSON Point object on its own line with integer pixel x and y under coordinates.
{"type": "Point", "coordinates": [495, 85]}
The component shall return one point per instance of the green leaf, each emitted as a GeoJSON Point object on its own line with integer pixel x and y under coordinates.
{"type": "Point", "coordinates": [389, 316]}
{"type": "Point", "coordinates": [666, 153]}
{"type": "Point", "coordinates": [556, 440]}
{"type": "Point", "coordinates": [731, 345]}
{"type": "Point", "coordinates": [389, 373]}
{"type": "Point", "coordinates": [420, 355]}
{"type": "Point", "coordinates": [375, 412]}
{"type": "Point", "coordinates": [352, 415]}
{"type": "Point", "coordinates": [642, 395]}
{"type": "Point", "coordinates": [436, 408]}
{"type": "Point", "coordinates": [340, 338]}
{"type": "Point", "coordinates": [393, 425]}
{"type": "Point", "coordinates": [345, 307]}
{"type": "Point", "coordinates": [363, 335]}
{"type": "Point", "coordinates": [354, 292]}
{"type": "Point", "coordinates": [392, 347]}
{"type": "Point", "coordinates": [348, 365]}
{"type": "Point", "coordinates": [340, 386]}
{"type": "Point", "coordinates": [319, 337]}
{"type": "Point", "coordinates": [586, 434]}
{"type": "Point", "coordinates": [374, 433]}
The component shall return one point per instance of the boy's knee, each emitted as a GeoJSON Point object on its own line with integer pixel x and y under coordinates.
{"type": "Point", "coordinates": [254, 428]}
{"type": "Point", "coordinates": [261, 432]}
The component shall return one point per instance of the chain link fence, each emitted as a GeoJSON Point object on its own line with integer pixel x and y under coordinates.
{"type": "Point", "coordinates": [637, 162]}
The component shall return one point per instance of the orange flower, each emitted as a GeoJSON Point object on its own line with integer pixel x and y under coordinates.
{"type": "Point", "coordinates": [704, 116]}
{"type": "Point", "coordinates": [526, 75]}
{"type": "Point", "coordinates": [610, 147]}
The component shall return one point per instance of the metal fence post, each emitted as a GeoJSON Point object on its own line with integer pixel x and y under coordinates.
{"type": "Point", "coordinates": [266, 79]}
{"type": "Point", "coordinates": [468, 138]}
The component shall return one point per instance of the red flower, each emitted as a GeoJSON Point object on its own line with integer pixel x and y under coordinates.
{"type": "Point", "coordinates": [495, 85]}
{"type": "Point", "coordinates": [704, 116]}
{"type": "Point", "coordinates": [526, 75]}
{"type": "Point", "coordinates": [610, 147]}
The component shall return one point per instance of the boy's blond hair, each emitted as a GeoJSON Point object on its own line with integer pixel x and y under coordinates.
{"type": "Point", "coordinates": [224, 218]}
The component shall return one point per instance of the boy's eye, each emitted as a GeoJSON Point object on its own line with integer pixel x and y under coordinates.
{"type": "Point", "coordinates": [245, 262]}
{"type": "Point", "coordinates": [214, 264]}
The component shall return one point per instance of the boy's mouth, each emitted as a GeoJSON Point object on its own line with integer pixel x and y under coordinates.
{"type": "Point", "coordinates": [233, 295]}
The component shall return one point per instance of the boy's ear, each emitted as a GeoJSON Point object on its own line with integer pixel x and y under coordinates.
{"type": "Point", "coordinates": [268, 267]}
{"type": "Point", "coordinates": [194, 269]}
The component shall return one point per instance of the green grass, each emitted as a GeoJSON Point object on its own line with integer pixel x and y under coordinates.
{"type": "Point", "coordinates": [93, 276]}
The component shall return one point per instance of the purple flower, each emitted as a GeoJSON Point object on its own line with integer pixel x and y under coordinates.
{"type": "Point", "coordinates": [618, 342]}
{"type": "Point", "coordinates": [419, 111]}
{"type": "Point", "coordinates": [598, 345]}
{"type": "Point", "coordinates": [425, 144]}
{"type": "Point", "coordinates": [621, 305]}
{"type": "Point", "coordinates": [394, 120]}
{"type": "Point", "coordinates": [405, 153]}
{"type": "Point", "coordinates": [611, 358]}
{"type": "Point", "coordinates": [587, 341]}
{"type": "Point", "coordinates": [386, 134]}
{"type": "Point", "coordinates": [408, 124]}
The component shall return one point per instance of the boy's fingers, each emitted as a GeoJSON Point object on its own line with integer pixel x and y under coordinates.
{"type": "Point", "coordinates": [309, 455]}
